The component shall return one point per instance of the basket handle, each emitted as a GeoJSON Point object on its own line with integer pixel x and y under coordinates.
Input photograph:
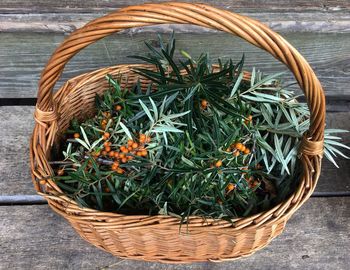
{"type": "Point", "coordinates": [184, 13]}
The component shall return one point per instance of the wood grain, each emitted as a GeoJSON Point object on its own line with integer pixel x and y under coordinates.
{"type": "Point", "coordinates": [23, 56]}
{"type": "Point", "coordinates": [41, 6]}
{"type": "Point", "coordinates": [316, 237]}
{"type": "Point", "coordinates": [320, 21]}
{"type": "Point", "coordinates": [17, 126]}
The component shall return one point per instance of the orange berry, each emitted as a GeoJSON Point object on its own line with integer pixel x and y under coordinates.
{"type": "Point", "coordinates": [42, 182]}
{"type": "Point", "coordinates": [60, 171]}
{"type": "Point", "coordinates": [111, 154]}
{"type": "Point", "coordinates": [105, 144]}
{"type": "Point", "coordinates": [239, 146]}
{"type": "Point", "coordinates": [124, 160]}
{"type": "Point", "coordinates": [246, 151]}
{"type": "Point", "coordinates": [118, 107]}
{"type": "Point", "coordinates": [114, 167]}
{"type": "Point", "coordinates": [130, 148]}
{"type": "Point", "coordinates": [236, 153]}
{"type": "Point", "coordinates": [135, 145]}
{"type": "Point", "coordinates": [108, 149]}
{"type": "Point", "coordinates": [250, 118]}
{"type": "Point", "coordinates": [130, 157]}
{"type": "Point", "coordinates": [104, 122]}
{"type": "Point", "coordinates": [120, 170]}
{"type": "Point", "coordinates": [230, 187]}
{"type": "Point", "coordinates": [116, 154]}
{"type": "Point", "coordinates": [218, 164]}
{"type": "Point", "coordinates": [116, 163]}
{"type": "Point", "coordinates": [144, 153]}
{"type": "Point", "coordinates": [148, 139]}
{"type": "Point", "coordinates": [121, 155]}
{"type": "Point", "coordinates": [125, 150]}
{"type": "Point", "coordinates": [107, 135]}
{"type": "Point", "coordinates": [107, 190]}
{"type": "Point", "coordinates": [204, 103]}
{"type": "Point", "coordinates": [139, 153]}
{"type": "Point", "coordinates": [76, 135]}
{"type": "Point", "coordinates": [228, 149]}
{"type": "Point", "coordinates": [243, 148]}
{"type": "Point", "coordinates": [130, 142]}
{"type": "Point", "coordinates": [142, 137]}
{"type": "Point", "coordinates": [104, 153]}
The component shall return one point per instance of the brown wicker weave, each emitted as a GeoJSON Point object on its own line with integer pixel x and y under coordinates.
{"type": "Point", "coordinates": [157, 238]}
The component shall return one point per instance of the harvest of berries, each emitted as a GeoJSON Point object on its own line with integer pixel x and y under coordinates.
{"type": "Point", "coordinates": [201, 139]}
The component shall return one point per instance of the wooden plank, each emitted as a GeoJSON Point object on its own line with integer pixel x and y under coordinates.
{"type": "Point", "coordinates": [279, 21]}
{"type": "Point", "coordinates": [41, 6]}
{"type": "Point", "coordinates": [23, 56]}
{"type": "Point", "coordinates": [316, 237]}
{"type": "Point", "coordinates": [14, 161]}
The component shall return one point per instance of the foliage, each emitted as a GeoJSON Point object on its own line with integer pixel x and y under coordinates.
{"type": "Point", "coordinates": [210, 141]}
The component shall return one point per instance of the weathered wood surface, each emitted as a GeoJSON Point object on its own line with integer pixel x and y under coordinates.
{"type": "Point", "coordinates": [23, 56]}
{"type": "Point", "coordinates": [288, 22]}
{"type": "Point", "coordinates": [286, 15]}
{"type": "Point", "coordinates": [316, 237]}
{"type": "Point", "coordinates": [42, 6]}
{"type": "Point", "coordinates": [17, 127]}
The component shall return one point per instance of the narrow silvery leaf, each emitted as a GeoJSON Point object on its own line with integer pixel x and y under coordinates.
{"type": "Point", "coordinates": [126, 130]}
{"type": "Point", "coordinates": [82, 143]}
{"type": "Point", "coordinates": [155, 109]}
{"type": "Point", "coordinates": [148, 113]}
{"type": "Point", "coordinates": [85, 137]}
{"type": "Point", "coordinates": [237, 84]}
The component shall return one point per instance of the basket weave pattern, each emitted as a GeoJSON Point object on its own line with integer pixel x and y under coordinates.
{"type": "Point", "coordinates": [157, 238]}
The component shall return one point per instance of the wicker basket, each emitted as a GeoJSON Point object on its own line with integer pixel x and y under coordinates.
{"type": "Point", "coordinates": [157, 238]}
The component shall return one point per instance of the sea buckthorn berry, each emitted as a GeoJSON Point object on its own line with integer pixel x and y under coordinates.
{"type": "Point", "coordinates": [144, 153]}
{"type": "Point", "coordinates": [243, 148]}
{"type": "Point", "coordinates": [230, 187]}
{"type": "Point", "coordinates": [42, 182]}
{"type": "Point", "coordinates": [114, 167]}
{"type": "Point", "coordinates": [107, 190]}
{"type": "Point", "coordinates": [124, 160]}
{"type": "Point", "coordinates": [116, 154]}
{"type": "Point", "coordinates": [125, 150]}
{"type": "Point", "coordinates": [118, 107]}
{"type": "Point", "coordinates": [111, 154]}
{"type": "Point", "coordinates": [120, 170]}
{"type": "Point", "coordinates": [107, 135]}
{"type": "Point", "coordinates": [76, 135]}
{"type": "Point", "coordinates": [130, 157]}
{"type": "Point", "coordinates": [60, 172]}
{"type": "Point", "coordinates": [228, 149]}
{"type": "Point", "coordinates": [218, 164]}
{"type": "Point", "coordinates": [204, 103]}
{"type": "Point", "coordinates": [148, 139]}
{"type": "Point", "coordinates": [139, 154]}
{"type": "Point", "coordinates": [121, 155]}
{"type": "Point", "coordinates": [130, 148]}
{"type": "Point", "coordinates": [142, 138]}
{"type": "Point", "coordinates": [247, 151]}
{"type": "Point", "coordinates": [104, 122]}
{"type": "Point", "coordinates": [135, 145]}
{"type": "Point", "coordinates": [250, 118]}
{"type": "Point", "coordinates": [105, 144]}
{"type": "Point", "coordinates": [130, 142]}
{"type": "Point", "coordinates": [104, 153]}
{"type": "Point", "coordinates": [108, 149]}
{"type": "Point", "coordinates": [116, 163]}
{"type": "Point", "coordinates": [239, 146]}
{"type": "Point", "coordinates": [236, 153]}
